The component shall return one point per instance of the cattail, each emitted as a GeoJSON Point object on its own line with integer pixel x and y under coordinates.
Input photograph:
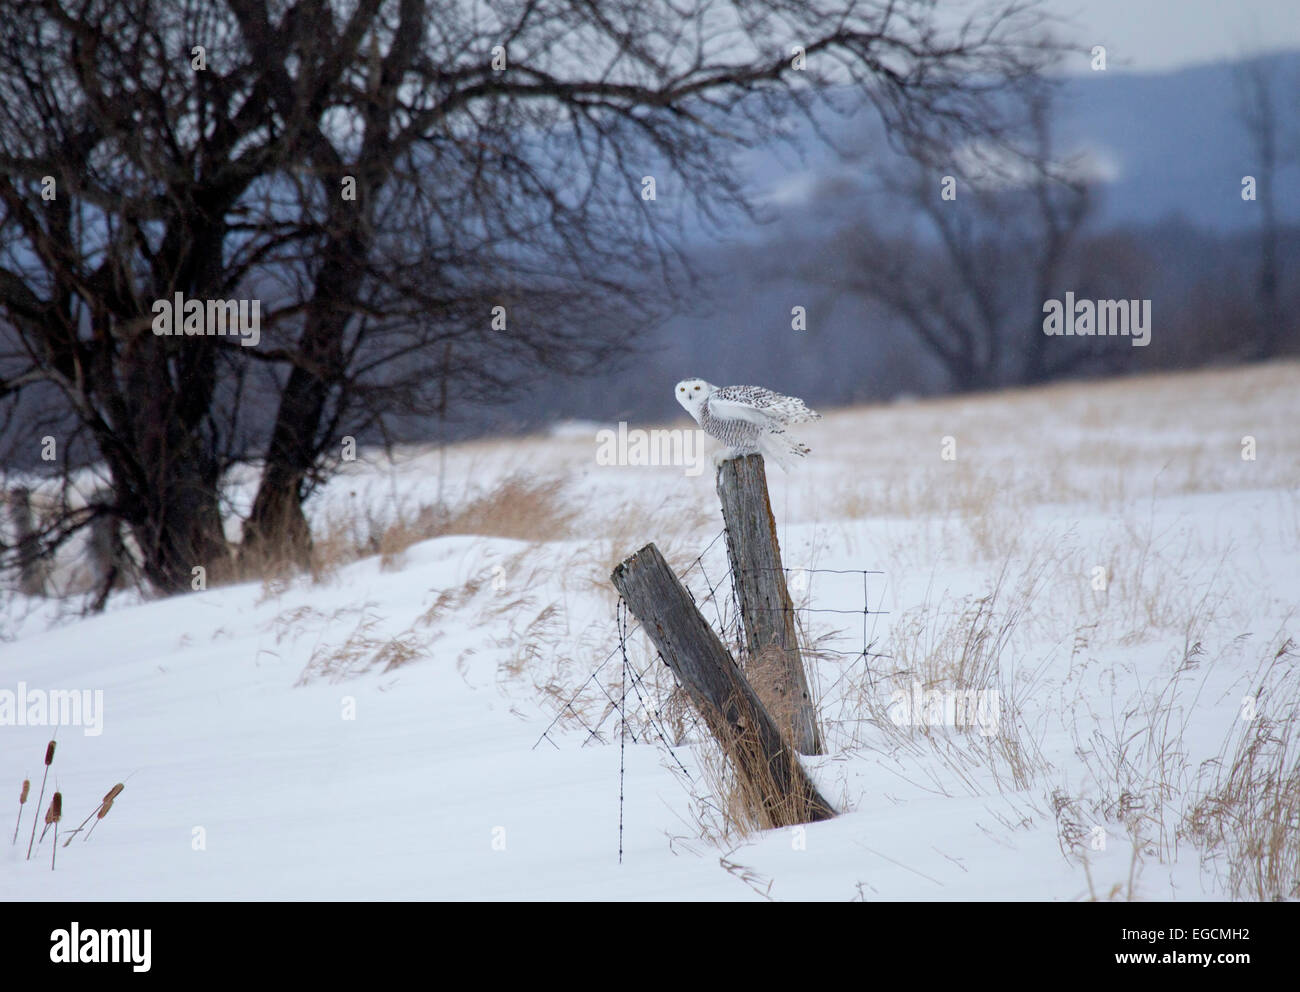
{"type": "Point", "coordinates": [104, 807]}
{"type": "Point", "coordinates": [54, 815]}
{"type": "Point", "coordinates": [49, 759]}
{"type": "Point", "coordinates": [22, 798]}
{"type": "Point", "coordinates": [99, 812]}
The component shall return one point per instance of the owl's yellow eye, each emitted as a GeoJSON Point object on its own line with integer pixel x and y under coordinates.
{"type": "Point", "coordinates": [697, 389]}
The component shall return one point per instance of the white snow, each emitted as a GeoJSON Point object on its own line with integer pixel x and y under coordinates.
{"type": "Point", "coordinates": [436, 791]}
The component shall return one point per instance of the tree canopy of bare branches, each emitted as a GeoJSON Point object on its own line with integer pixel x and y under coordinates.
{"type": "Point", "coordinates": [497, 158]}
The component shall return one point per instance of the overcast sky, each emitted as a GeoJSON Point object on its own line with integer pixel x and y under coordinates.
{"type": "Point", "coordinates": [1150, 35]}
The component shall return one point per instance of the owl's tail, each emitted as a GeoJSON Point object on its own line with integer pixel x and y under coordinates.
{"type": "Point", "coordinates": [781, 448]}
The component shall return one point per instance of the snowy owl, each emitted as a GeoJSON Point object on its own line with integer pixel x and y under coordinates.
{"type": "Point", "coordinates": [747, 419]}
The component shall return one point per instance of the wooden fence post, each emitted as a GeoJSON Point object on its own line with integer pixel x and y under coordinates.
{"type": "Point", "coordinates": [775, 666]}
{"type": "Point", "coordinates": [769, 770]}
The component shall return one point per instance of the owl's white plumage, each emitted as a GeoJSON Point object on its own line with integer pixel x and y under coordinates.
{"type": "Point", "coordinates": [747, 419]}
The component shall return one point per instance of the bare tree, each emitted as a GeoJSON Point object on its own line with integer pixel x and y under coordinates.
{"type": "Point", "coordinates": [499, 155]}
{"type": "Point", "coordinates": [971, 240]}
{"type": "Point", "coordinates": [1260, 100]}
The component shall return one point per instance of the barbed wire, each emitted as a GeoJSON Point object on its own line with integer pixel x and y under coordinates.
{"type": "Point", "coordinates": [621, 646]}
{"type": "Point", "coordinates": [727, 612]}
{"type": "Point", "coordinates": [729, 627]}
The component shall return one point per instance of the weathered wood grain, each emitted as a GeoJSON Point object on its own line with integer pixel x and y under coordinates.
{"type": "Point", "coordinates": [766, 764]}
{"type": "Point", "coordinates": [775, 666]}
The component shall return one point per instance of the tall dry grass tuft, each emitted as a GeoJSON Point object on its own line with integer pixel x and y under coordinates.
{"type": "Point", "coordinates": [522, 507]}
{"type": "Point", "coordinates": [1134, 755]}
{"type": "Point", "coordinates": [769, 676]}
{"type": "Point", "coordinates": [362, 650]}
{"type": "Point", "coordinates": [748, 794]}
{"type": "Point", "coordinates": [761, 884]}
{"type": "Point", "coordinates": [958, 660]}
{"type": "Point", "coordinates": [1246, 820]}
{"type": "Point", "coordinates": [366, 648]}
{"type": "Point", "coordinates": [525, 508]}
{"type": "Point", "coordinates": [1077, 834]}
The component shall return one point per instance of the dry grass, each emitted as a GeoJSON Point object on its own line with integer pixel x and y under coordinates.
{"type": "Point", "coordinates": [521, 507]}
{"type": "Point", "coordinates": [361, 651]}
{"type": "Point", "coordinates": [769, 675]}
{"type": "Point", "coordinates": [679, 526]}
{"type": "Point", "coordinates": [963, 650]}
{"type": "Point", "coordinates": [1087, 442]}
{"type": "Point", "coordinates": [1118, 890]}
{"type": "Point", "coordinates": [1134, 765]}
{"type": "Point", "coordinates": [741, 794]}
{"type": "Point", "coordinates": [1241, 810]}
{"type": "Point", "coordinates": [959, 659]}
{"type": "Point", "coordinates": [1246, 818]}
{"type": "Point", "coordinates": [534, 636]}
{"type": "Point", "coordinates": [1015, 452]}
{"type": "Point", "coordinates": [1136, 758]}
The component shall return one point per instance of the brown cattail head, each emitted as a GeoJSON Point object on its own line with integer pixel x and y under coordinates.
{"type": "Point", "coordinates": [55, 813]}
{"type": "Point", "coordinates": [104, 807]}
{"type": "Point", "coordinates": [27, 784]}
{"type": "Point", "coordinates": [49, 753]}
{"type": "Point", "coordinates": [112, 793]}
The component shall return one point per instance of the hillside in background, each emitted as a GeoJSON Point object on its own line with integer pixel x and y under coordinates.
{"type": "Point", "coordinates": [1167, 224]}
{"type": "Point", "coordinates": [1169, 152]}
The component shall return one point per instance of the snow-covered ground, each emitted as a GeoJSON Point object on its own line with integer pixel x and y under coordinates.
{"type": "Point", "coordinates": [374, 733]}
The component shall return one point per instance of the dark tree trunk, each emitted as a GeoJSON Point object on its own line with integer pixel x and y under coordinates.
{"type": "Point", "coordinates": [277, 528]}
{"type": "Point", "coordinates": [165, 472]}
{"type": "Point", "coordinates": [31, 570]}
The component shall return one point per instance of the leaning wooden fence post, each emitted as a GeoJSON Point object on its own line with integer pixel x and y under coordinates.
{"type": "Point", "coordinates": [775, 663]}
{"type": "Point", "coordinates": [768, 768]}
